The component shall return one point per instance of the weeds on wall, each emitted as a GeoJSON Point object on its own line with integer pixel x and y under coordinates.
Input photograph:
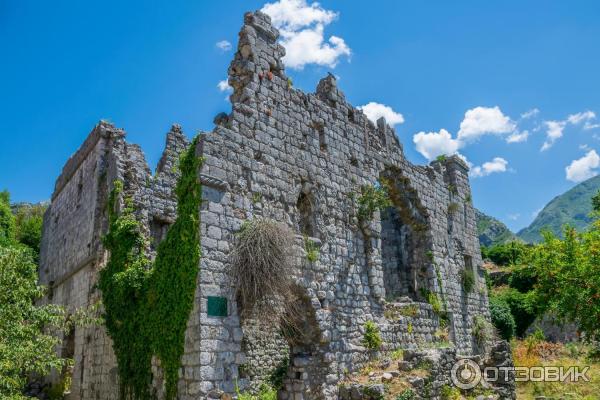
{"type": "Point", "coordinates": [372, 337]}
{"type": "Point", "coordinates": [467, 278]}
{"type": "Point", "coordinates": [261, 267]}
{"type": "Point", "coordinates": [312, 250]}
{"type": "Point", "coordinates": [147, 305]}
{"type": "Point", "coordinates": [371, 199]}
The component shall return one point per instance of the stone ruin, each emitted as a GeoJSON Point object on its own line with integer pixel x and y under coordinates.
{"type": "Point", "coordinates": [296, 158]}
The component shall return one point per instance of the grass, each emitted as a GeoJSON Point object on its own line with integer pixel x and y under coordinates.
{"type": "Point", "coordinates": [541, 353]}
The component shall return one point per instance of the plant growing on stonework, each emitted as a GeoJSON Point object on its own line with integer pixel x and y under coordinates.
{"type": "Point", "coordinates": [147, 306]}
{"type": "Point", "coordinates": [407, 394]}
{"type": "Point", "coordinates": [453, 208]}
{"type": "Point", "coordinates": [433, 299]}
{"type": "Point", "coordinates": [371, 338]}
{"type": "Point", "coordinates": [312, 250]}
{"type": "Point", "coordinates": [441, 158]}
{"type": "Point", "coordinates": [371, 199]}
{"type": "Point", "coordinates": [261, 268]}
{"type": "Point", "coordinates": [467, 277]}
{"type": "Point", "coordinates": [483, 330]}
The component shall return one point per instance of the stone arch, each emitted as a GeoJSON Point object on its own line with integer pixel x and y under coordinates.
{"type": "Point", "coordinates": [307, 369]}
{"type": "Point", "coordinates": [406, 244]}
{"type": "Point", "coordinates": [306, 207]}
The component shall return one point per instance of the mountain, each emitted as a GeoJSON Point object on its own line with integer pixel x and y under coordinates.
{"type": "Point", "coordinates": [491, 231]}
{"type": "Point", "coordinates": [572, 207]}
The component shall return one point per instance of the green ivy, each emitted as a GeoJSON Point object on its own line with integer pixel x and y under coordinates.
{"type": "Point", "coordinates": [147, 305]}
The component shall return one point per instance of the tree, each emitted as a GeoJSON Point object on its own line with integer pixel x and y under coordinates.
{"type": "Point", "coordinates": [568, 277]}
{"type": "Point", "coordinates": [29, 220]}
{"type": "Point", "coordinates": [7, 220]}
{"type": "Point", "coordinates": [28, 333]}
{"type": "Point", "coordinates": [511, 253]}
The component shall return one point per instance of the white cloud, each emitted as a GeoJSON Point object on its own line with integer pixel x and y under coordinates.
{"type": "Point", "coordinates": [498, 164]}
{"type": "Point", "coordinates": [583, 168]}
{"type": "Point", "coordinates": [479, 121]}
{"type": "Point", "coordinates": [374, 111]}
{"type": "Point", "coordinates": [224, 86]}
{"type": "Point", "coordinates": [517, 137]}
{"type": "Point", "coordinates": [433, 144]}
{"type": "Point", "coordinates": [302, 33]}
{"type": "Point", "coordinates": [555, 129]}
{"type": "Point", "coordinates": [581, 117]}
{"type": "Point", "coordinates": [531, 113]}
{"type": "Point", "coordinates": [223, 45]}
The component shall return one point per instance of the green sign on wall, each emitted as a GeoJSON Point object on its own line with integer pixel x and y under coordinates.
{"type": "Point", "coordinates": [217, 306]}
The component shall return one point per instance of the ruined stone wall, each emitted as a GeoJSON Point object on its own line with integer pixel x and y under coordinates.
{"type": "Point", "coordinates": [276, 148]}
{"type": "Point", "coordinates": [299, 159]}
{"type": "Point", "coordinates": [72, 251]}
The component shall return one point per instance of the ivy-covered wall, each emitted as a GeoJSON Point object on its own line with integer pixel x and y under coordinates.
{"type": "Point", "coordinates": [147, 304]}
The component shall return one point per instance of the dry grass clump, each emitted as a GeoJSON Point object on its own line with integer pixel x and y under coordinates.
{"type": "Point", "coordinates": [262, 266]}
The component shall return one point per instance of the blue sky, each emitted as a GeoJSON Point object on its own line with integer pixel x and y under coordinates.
{"type": "Point", "coordinates": [144, 65]}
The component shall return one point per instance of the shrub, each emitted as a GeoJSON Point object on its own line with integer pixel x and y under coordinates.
{"type": "Point", "coordinates": [522, 307]}
{"type": "Point", "coordinates": [483, 330]}
{"type": "Point", "coordinates": [261, 267]}
{"type": "Point", "coordinates": [449, 393]}
{"type": "Point", "coordinates": [312, 250]}
{"type": "Point", "coordinates": [372, 338]}
{"type": "Point", "coordinates": [468, 280]}
{"type": "Point", "coordinates": [523, 279]}
{"type": "Point", "coordinates": [27, 331]}
{"type": "Point", "coordinates": [371, 199]}
{"type": "Point", "coordinates": [502, 318]}
{"type": "Point", "coordinates": [407, 394]}
{"type": "Point", "coordinates": [453, 208]}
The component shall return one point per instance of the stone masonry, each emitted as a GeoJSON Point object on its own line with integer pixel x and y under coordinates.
{"type": "Point", "coordinates": [299, 159]}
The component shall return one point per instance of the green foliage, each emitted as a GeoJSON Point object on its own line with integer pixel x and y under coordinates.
{"type": "Point", "coordinates": [596, 202]}
{"type": "Point", "coordinates": [371, 199]}
{"type": "Point", "coordinates": [502, 318]}
{"type": "Point", "coordinates": [265, 392]}
{"type": "Point", "coordinates": [28, 226]}
{"type": "Point", "coordinates": [441, 158]}
{"type": "Point", "coordinates": [524, 307]}
{"type": "Point", "coordinates": [450, 393]}
{"type": "Point", "coordinates": [407, 394]}
{"type": "Point", "coordinates": [397, 354]}
{"type": "Point", "coordinates": [27, 332]}
{"type": "Point", "coordinates": [433, 299]}
{"type": "Point", "coordinates": [522, 278]}
{"type": "Point", "coordinates": [7, 220]}
{"type": "Point", "coordinates": [312, 250]}
{"type": "Point", "coordinates": [279, 373]}
{"type": "Point", "coordinates": [467, 277]}
{"type": "Point", "coordinates": [372, 338]}
{"type": "Point", "coordinates": [568, 277]}
{"type": "Point", "coordinates": [482, 329]}
{"type": "Point", "coordinates": [510, 253]}
{"type": "Point", "coordinates": [147, 306]}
